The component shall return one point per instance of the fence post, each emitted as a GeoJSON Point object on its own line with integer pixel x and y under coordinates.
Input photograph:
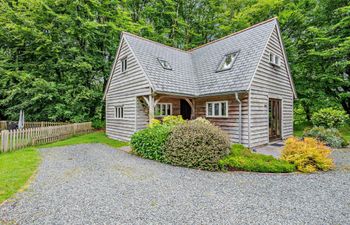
{"type": "Point", "coordinates": [4, 140]}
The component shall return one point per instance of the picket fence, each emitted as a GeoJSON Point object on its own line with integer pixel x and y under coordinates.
{"type": "Point", "coordinates": [20, 138]}
{"type": "Point", "coordinates": [3, 124]}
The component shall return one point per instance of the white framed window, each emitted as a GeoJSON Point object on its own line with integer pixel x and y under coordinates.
{"type": "Point", "coordinates": [227, 61]}
{"type": "Point", "coordinates": [165, 64]}
{"type": "Point", "coordinates": [124, 62]}
{"type": "Point", "coordinates": [119, 112]}
{"type": "Point", "coordinates": [217, 109]}
{"type": "Point", "coordinates": [163, 109]}
{"type": "Point", "coordinates": [274, 59]}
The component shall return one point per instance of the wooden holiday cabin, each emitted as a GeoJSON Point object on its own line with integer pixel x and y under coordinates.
{"type": "Point", "coordinates": [241, 83]}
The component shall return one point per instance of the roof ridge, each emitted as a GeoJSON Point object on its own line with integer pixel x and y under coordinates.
{"type": "Point", "coordinates": [200, 46]}
{"type": "Point", "coordinates": [233, 34]}
{"type": "Point", "coordinates": [158, 43]}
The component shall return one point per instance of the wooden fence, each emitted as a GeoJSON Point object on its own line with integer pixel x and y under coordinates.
{"type": "Point", "coordinates": [16, 139]}
{"type": "Point", "coordinates": [3, 124]}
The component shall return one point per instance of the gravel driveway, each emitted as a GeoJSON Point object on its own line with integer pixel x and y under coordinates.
{"type": "Point", "coordinates": [96, 184]}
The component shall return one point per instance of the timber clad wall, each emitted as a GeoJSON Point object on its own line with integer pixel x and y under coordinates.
{"type": "Point", "coordinates": [123, 91]}
{"type": "Point", "coordinates": [229, 124]}
{"type": "Point", "coordinates": [270, 82]}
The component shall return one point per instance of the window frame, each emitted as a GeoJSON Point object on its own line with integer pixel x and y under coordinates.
{"type": "Point", "coordinates": [124, 66]}
{"type": "Point", "coordinates": [161, 104]}
{"type": "Point", "coordinates": [274, 57]}
{"type": "Point", "coordinates": [161, 64]}
{"type": "Point", "coordinates": [119, 112]}
{"type": "Point", "coordinates": [213, 109]}
{"type": "Point", "coordinates": [223, 61]}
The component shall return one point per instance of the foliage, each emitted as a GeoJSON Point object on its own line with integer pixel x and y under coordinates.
{"type": "Point", "coordinates": [196, 145]}
{"type": "Point", "coordinates": [15, 169]}
{"type": "Point", "coordinates": [95, 137]}
{"type": "Point", "coordinates": [330, 136]}
{"type": "Point", "coordinates": [200, 120]}
{"type": "Point", "coordinates": [173, 120]}
{"type": "Point", "coordinates": [329, 118]}
{"type": "Point", "coordinates": [241, 158]}
{"type": "Point", "coordinates": [154, 123]}
{"type": "Point", "coordinates": [307, 155]}
{"type": "Point", "coordinates": [98, 124]}
{"type": "Point", "coordinates": [61, 52]}
{"type": "Point", "coordinates": [150, 142]}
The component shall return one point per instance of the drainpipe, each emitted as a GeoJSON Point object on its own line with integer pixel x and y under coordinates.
{"type": "Point", "coordinates": [239, 119]}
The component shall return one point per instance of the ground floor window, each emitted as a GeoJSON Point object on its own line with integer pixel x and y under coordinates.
{"type": "Point", "coordinates": [217, 109]}
{"type": "Point", "coordinates": [119, 112]}
{"type": "Point", "coordinates": [163, 109]}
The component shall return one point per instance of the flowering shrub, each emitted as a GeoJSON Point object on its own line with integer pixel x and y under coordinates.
{"type": "Point", "coordinates": [329, 118]}
{"type": "Point", "coordinates": [331, 136]}
{"type": "Point", "coordinates": [307, 155]}
{"type": "Point", "coordinates": [173, 120]}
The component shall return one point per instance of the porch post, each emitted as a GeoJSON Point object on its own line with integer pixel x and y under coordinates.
{"type": "Point", "coordinates": [151, 107]}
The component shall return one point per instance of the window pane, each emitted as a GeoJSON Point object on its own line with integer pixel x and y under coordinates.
{"type": "Point", "coordinates": [163, 113]}
{"type": "Point", "coordinates": [277, 60]}
{"type": "Point", "coordinates": [121, 112]}
{"type": "Point", "coordinates": [223, 108]}
{"type": "Point", "coordinates": [216, 109]}
{"type": "Point", "coordinates": [271, 57]}
{"type": "Point", "coordinates": [210, 109]}
{"type": "Point", "coordinates": [157, 110]}
{"type": "Point", "coordinates": [169, 109]}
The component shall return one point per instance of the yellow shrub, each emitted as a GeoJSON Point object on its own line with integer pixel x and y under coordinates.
{"type": "Point", "coordinates": [153, 123]}
{"type": "Point", "coordinates": [173, 120]}
{"type": "Point", "coordinates": [308, 155]}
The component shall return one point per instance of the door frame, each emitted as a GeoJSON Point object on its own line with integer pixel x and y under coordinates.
{"type": "Point", "coordinates": [280, 136]}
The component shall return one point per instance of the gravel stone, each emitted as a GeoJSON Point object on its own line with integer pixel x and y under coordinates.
{"type": "Point", "coordinates": [96, 184]}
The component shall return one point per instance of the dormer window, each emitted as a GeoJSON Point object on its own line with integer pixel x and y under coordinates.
{"type": "Point", "coordinates": [165, 64]}
{"type": "Point", "coordinates": [275, 59]}
{"type": "Point", "coordinates": [227, 61]}
{"type": "Point", "coordinates": [124, 64]}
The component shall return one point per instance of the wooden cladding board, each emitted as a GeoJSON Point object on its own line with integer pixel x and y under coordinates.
{"type": "Point", "coordinates": [270, 82]}
{"type": "Point", "coordinates": [123, 91]}
{"type": "Point", "coordinates": [229, 124]}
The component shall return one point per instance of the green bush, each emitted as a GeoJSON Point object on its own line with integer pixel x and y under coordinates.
{"type": "Point", "coordinates": [196, 145]}
{"type": "Point", "coordinates": [329, 118]}
{"type": "Point", "coordinates": [173, 120]}
{"type": "Point", "coordinates": [330, 137]}
{"type": "Point", "coordinates": [149, 143]}
{"type": "Point", "coordinates": [241, 158]}
{"type": "Point", "coordinates": [98, 124]}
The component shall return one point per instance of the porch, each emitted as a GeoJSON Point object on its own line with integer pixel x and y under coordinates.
{"type": "Point", "coordinates": [229, 112]}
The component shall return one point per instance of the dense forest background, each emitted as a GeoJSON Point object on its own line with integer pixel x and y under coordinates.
{"type": "Point", "coordinates": [56, 55]}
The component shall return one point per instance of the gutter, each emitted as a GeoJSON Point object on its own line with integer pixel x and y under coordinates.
{"type": "Point", "coordinates": [239, 119]}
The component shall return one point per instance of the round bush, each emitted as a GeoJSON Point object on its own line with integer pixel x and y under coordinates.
{"type": "Point", "coordinates": [196, 145]}
{"type": "Point", "coordinates": [330, 137]}
{"type": "Point", "coordinates": [307, 155]}
{"type": "Point", "coordinates": [149, 143]}
{"type": "Point", "coordinates": [329, 118]}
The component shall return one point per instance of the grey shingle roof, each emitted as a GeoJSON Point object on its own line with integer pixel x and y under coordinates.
{"type": "Point", "coordinates": [194, 71]}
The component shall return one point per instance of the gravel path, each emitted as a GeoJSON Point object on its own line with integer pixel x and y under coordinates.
{"type": "Point", "coordinates": [95, 184]}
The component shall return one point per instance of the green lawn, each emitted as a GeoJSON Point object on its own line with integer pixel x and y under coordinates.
{"type": "Point", "coordinates": [96, 137]}
{"type": "Point", "coordinates": [18, 166]}
{"type": "Point", "coordinates": [15, 169]}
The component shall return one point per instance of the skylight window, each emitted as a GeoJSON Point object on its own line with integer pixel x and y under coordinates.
{"type": "Point", "coordinates": [165, 64]}
{"type": "Point", "coordinates": [227, 61]}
